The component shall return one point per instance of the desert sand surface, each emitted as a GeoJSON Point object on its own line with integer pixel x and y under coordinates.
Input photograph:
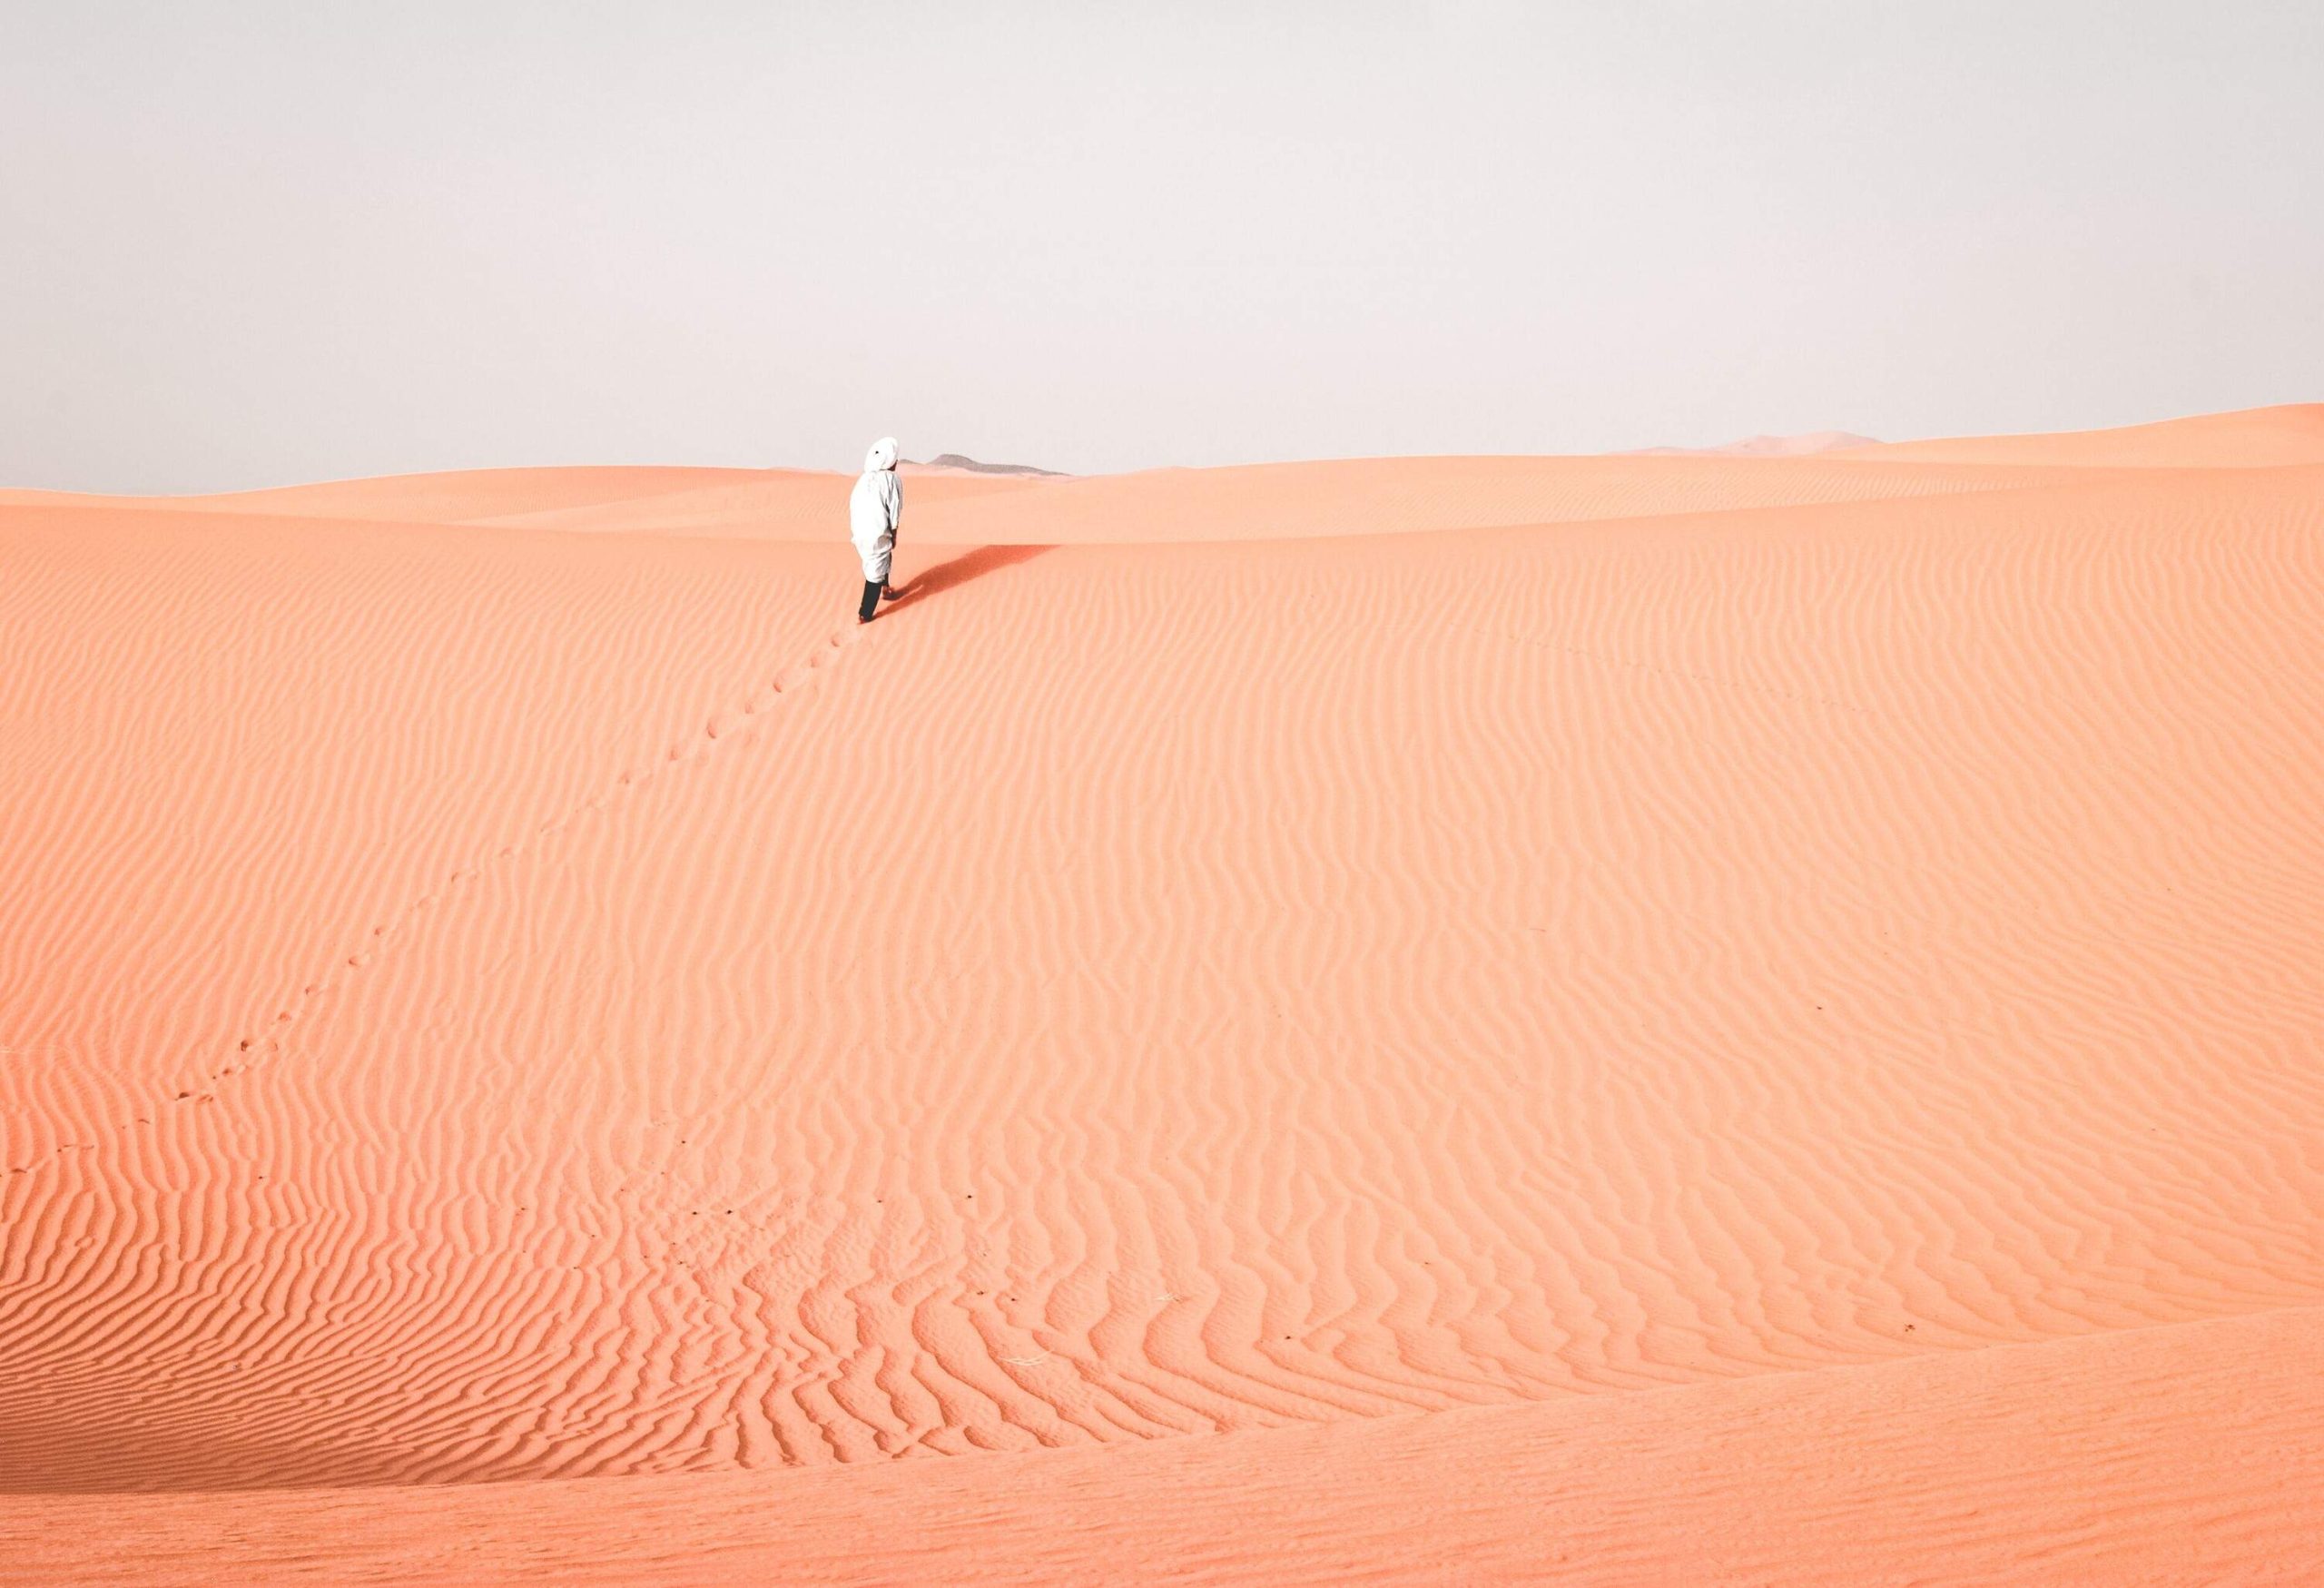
{"type": "Point", "coordinates": [1614, 1020]}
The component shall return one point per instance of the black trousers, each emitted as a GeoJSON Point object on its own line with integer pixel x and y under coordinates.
{"type": "Point", "coordinates": [870, 601]}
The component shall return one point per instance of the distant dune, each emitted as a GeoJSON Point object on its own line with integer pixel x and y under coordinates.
{"type": "Point", "coordinates": [1630, 1020]}
{"type": "Point", "coordinates": [2265, 437]}
{"type": "Point", "coordinates": [1800, 446]}
{"type": "Point", "coordinates": [963, 464]}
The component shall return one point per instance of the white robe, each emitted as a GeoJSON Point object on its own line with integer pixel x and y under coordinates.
{"type": "Point", "coordinates": [874, 509]}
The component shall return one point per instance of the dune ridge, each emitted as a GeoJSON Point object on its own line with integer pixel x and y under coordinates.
{"type": "Point", "coordinates": [1794, 446]}
{"type": "Point", "coordinates": [1259, 502]}
{"type": "Point", "coordinates": [2259, 438]}
{"type": "Point", "coordinates": [484, 1001]}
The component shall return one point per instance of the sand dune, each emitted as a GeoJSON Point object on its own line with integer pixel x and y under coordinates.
{"type": "Point", "coordinates": [1803, 445]}
{"type": "Point", "coordinates": [2264, 437]}
{"type": "Point", "coordinates": [959, 463]}
{"type": "Point", "coordinates": [460, 495]}
{"type": "Point", "coordinates": [773, 504]}
{"type": "Point", "coordinates": [1314, 982]}
{"type": "Point", "coordinates": [1268, 502]}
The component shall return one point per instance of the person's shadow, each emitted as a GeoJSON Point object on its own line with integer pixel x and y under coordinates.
{"type": "Point", "coordinates": [960, 570]}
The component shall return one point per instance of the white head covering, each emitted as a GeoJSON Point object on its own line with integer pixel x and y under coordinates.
{"type": "Point", "coordinates": [881, 457]}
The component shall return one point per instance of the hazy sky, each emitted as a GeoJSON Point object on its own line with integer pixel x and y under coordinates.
{"type": "Point", "coordinates": [256, 243]}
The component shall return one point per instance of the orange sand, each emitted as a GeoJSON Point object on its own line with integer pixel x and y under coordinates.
{"type": "Point", "coordinates": [1655, 1019]}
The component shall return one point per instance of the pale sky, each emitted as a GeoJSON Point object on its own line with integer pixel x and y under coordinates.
{"type": "Point", "coordinates": [249, 244]}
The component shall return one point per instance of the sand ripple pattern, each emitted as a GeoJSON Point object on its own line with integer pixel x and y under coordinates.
{"type": "Point", "coordinates": [1135, 990]}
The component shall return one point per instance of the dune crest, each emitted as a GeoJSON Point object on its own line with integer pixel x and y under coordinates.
{"type": "Point", "coordinates": [2259, 438]}
{"type": "Point", "coordinates": [1805, 444]}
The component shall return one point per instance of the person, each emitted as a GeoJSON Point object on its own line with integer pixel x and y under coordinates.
{"type": "Point", "coordinates": [874, 510]}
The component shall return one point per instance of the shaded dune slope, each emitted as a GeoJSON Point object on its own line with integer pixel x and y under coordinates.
{"type": "Point", "coordinates": [487, 1003]}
